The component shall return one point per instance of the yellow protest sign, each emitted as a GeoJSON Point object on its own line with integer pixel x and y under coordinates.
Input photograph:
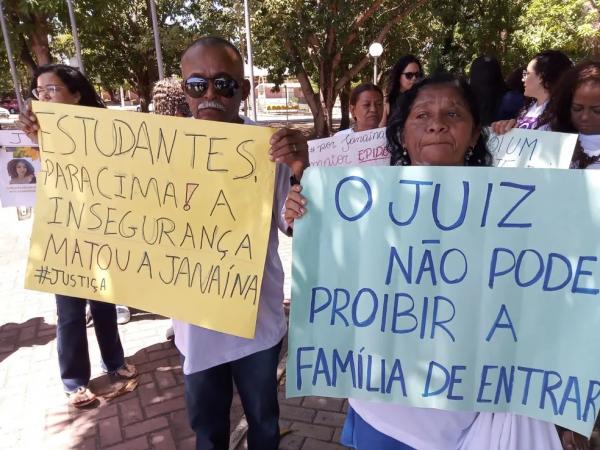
{"type": "Point", "coordinates": [165, 214]}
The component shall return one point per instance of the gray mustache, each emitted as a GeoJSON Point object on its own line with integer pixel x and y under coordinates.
{"type": "Point", "coordinates": [211, 104]}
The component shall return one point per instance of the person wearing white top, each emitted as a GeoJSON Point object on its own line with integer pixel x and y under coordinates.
{"type": "Point", "coordinates": [542, 75]}
{"type": "Point", "coordinates": [436, 124]}
{"type": "Point", "coordinates": [214, 85]}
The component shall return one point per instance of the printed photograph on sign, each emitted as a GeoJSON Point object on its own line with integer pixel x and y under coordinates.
{"type": "Point", "coordinates": [18, 175]}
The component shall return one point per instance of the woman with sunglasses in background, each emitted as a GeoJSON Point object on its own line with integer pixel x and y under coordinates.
{"type": "Point", "coordinates": [541, 76]}
{"type": "Point", "coordinates": [406, 72]}
{"type": "Point", "coordinates": [58, 83]}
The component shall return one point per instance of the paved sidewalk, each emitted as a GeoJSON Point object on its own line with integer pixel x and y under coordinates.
{"type": "Point", "coordinates": [33, 410]}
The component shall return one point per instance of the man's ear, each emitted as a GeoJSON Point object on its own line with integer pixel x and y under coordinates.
{"type": "Point", "coordinates": [245, 89]}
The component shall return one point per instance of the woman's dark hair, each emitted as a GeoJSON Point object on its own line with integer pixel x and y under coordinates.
{"type": "Point", "coordinates": [480, 155]}
{"type": "Point", "coordinates": [393, 83]}
{"type": "Point", "coordinates": [514, 80]}
{"type": "Point", "coordinates": [75, 82]}
{"type": "Point", "coordinates": [550, 65]}
{"type": "Point", "coordinates": [559, 107]}
{"type": "Point", "coordinates": [11, 167]}
{"type": "Point", "coordinates": [487, 84]}
{"type": "Point", "coordinates": [363, 87]}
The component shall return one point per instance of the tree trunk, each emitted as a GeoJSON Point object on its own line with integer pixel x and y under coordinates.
{"type": "Point", "coordinates": [144, 90]}
{"type": "Point", "coordinates": [345, 107]}
{"type": "Point", "coordinates": [320, 124]}
{"type": "Point", "coordinates": [40, 47]}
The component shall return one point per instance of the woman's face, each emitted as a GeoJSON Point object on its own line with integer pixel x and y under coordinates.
{"type": "Point", "coordinates": [368, 110]}
{"type": "Point", "coordinates": [409, 76]}
{"type": "Point", "coordinates": [52, 89]}
{"type": "Point", "coordinates": [21, 169]}
{"type": "Point", "coordinates": [533, 83]}
{"type": "Point", "coordinates": [585, 108]}
{"type": "Point", "coordinates": [439, 129]}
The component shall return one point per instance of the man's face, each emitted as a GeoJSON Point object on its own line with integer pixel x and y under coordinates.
{"type": "Point", "coordinates": [209, 63]}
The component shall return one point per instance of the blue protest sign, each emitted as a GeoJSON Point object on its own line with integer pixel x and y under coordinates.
{"type": "Point", "coordinates": [454, 288]}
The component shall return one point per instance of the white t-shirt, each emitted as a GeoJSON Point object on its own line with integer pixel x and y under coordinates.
{"type": "Point", "coordinates": [204, 348]}
{"type": "Point", "coordinates": [529, 119]}
{"type": "Point", "coordinates": [344, 132]}
{"type": "Point", "coordinates": [591, 146]}
{"type": "Point", "coordinates": [434, 429]}
{"type": "Point", "coordinates": [421, 428]}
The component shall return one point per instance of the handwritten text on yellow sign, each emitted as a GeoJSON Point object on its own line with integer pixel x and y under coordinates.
{"type": "Point", "coordinates": [169, 215]}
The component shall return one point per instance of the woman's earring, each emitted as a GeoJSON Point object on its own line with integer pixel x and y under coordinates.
{"type": "Point", "coordinates": [404, 157]}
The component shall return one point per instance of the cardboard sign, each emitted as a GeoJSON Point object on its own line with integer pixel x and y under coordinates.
{"type": "Point", "coordinates": [19, 165]}
{"type": "Point", "coordinates": [365, 148]}
{"type": "Point", "coordinates": [165, 214]}
{"type": "Point", "coordinates": [450, 287]}
{"type": "Point", "coordinates": [532, 148]}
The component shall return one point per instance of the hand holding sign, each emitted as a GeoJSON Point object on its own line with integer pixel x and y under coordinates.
{"type": "Point", "coordinates": [451, 301]}
{"type": "Point", "coordinates": [27, 122]}
{"type": "Point", "coordinates": [290, 147]}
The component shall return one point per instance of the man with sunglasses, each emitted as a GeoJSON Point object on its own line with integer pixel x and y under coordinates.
{"type": "Point", "coordinates": [214, 85]}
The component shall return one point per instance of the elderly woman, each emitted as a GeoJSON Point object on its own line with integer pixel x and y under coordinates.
{"type": "Point", "coordinates": [366, 108]}
{"type": "Point", "coordinates": [58, 83]}
{"type": "Point", "coordinates": [437, 123]}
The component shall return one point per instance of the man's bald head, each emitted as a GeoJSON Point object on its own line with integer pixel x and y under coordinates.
{"type": "Point", "coordinates": [216, 41]}
{"type": "Point", "coordinates": [206, 60]}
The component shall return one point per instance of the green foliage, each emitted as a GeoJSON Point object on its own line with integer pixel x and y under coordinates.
{"type": "Point", "coordinates": [325, 41]}
{"type": "Point", "coordinates": [568, 25]}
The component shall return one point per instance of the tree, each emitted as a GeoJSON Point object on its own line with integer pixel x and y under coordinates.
{"type": "Point", "coordinates": [31, 22]}
{"type": "Point", "coordinates": [568, 25]}
{"type": "Point", "coordinates": [323, 41]}
{"type": "Point", "coordinates": [118, 43]}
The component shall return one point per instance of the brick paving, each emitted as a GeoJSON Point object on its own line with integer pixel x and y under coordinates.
{"type": "Point", "coordinates": [33, 410]}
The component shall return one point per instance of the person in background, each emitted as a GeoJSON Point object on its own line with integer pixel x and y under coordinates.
{"type": "Point", "coordinates": [169, 100]}
{"type": "Point", "coordinates": [575, 108]}
{"type": "Point", "coordinates": [58, 83]}
{"type": "Point", "coordinates": [437, 123]}
{"type": "Point", "coordinates": [366, 108]}
{"type": "Point", "coordinates": [404, 74]}
{"type": "Point", "coordinates": [541, 76]}
{"type": "Point", "coordinates": [213, 72]}
{"type": "Point", "coordinates": [485, 79]}
{"type": "Point", "coordinates": [513, 98]}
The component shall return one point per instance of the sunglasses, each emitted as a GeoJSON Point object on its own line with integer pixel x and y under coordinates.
{"type": "Point", "coordinates": [196, 87]}
{"type": "Point", "coordinates": [410, 75]}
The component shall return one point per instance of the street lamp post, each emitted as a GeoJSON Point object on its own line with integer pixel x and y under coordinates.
{"type": "Point", "coordinates": [157, 48]}
{"type": "Point", "coordinates": [250, 61]}
{"type": "Point", "coordinates": [375, 50]}
{"type": "Point", "coordinates": [75, 36]}
{"type": "Point", "coordinates": [11, 62]}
